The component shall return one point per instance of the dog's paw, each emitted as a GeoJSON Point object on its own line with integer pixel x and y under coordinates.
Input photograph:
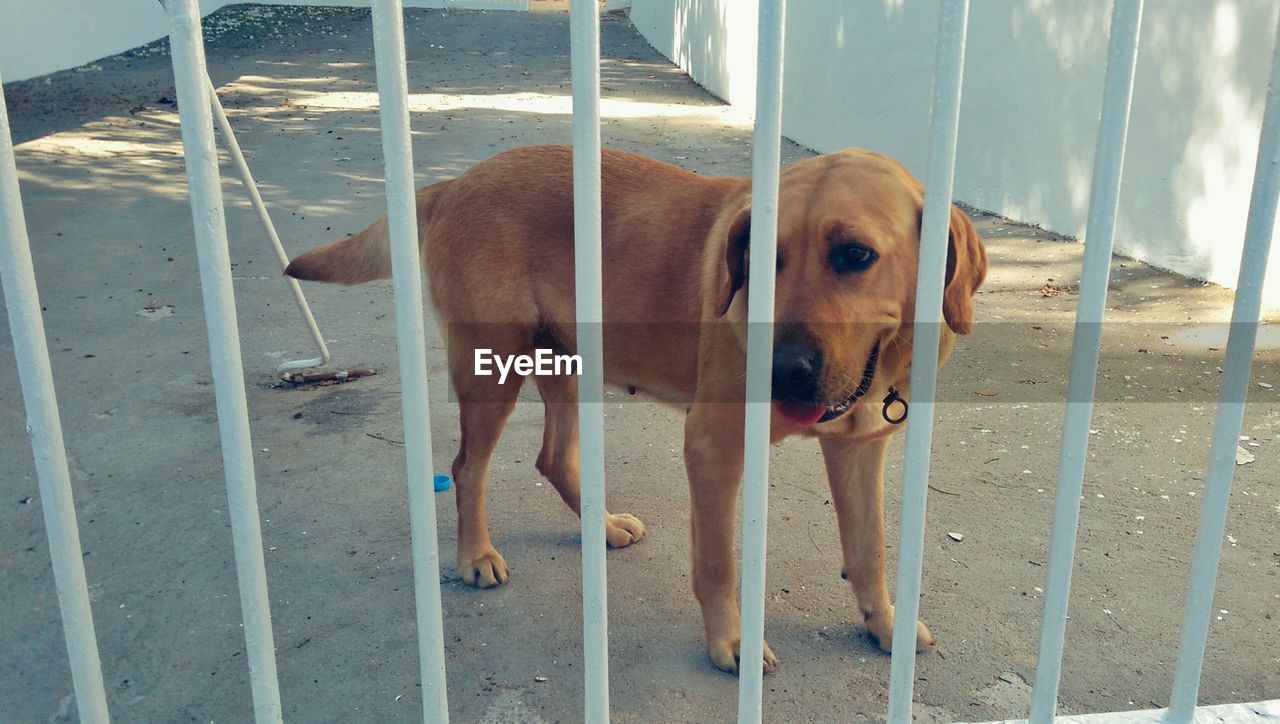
{"type": "Point", "coordinates": [622, 529]}
{"type": "Point", "coordinates": [484, 570]}
{"type": "Point", "coordinates": [880, 631]}
{"type": "Point", "coordinates": [725, 655]}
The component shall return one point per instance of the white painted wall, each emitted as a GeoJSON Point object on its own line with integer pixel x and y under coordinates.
{"type": "Point", "coordinates": [714, 41]}
{"type": "Point", "coordinates": [43, 36]}
{"type": "Point", "coordinates": [860, 73]}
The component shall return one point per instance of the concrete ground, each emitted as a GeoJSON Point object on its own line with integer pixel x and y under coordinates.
{"type": "Point", "coordinates": [101, 166]}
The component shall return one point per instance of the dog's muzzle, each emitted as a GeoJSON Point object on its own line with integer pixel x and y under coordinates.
{"type": "Point", "coordinates": [809, 413]}
{"type": "Point", "coordinates": [868, 376]}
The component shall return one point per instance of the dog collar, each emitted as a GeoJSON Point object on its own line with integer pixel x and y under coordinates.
{"type": "Point", "coordinates": [889, 400]}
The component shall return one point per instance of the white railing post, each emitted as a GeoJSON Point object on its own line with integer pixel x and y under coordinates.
{"type": "Point", "coordinates": [1259, 229]}
{"type": "Point", "coordinates": [1113, 127]}
{"type": "Point", "coordinates": [584, 42]}
{"type": "Point", "coordinates": [406, 273]}
{"type": "Point", "coordinates": [934, 226]}
{"type": "Point", "coordinates": [201, 158]}
{"type": "Point", "coordinates": [259, 206]}
{"type": "Point", "coordinates": [765, 172]}
{"type": "Point", "coordinates": [44, 427]}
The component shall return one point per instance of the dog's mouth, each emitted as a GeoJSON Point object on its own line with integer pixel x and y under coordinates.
{"type": "Point", "coordinates": [809, 413]}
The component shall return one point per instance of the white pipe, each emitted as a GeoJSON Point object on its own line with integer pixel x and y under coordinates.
{"type": "Point", "coordinates": [246, 178]}
{"type": "Point", "coordinates": [1095, 274]}
{"type": "Point", "coordinates": [948, 77]}
{"type": "Point", "coordinates": [765, 170]}
{"type": "Point", "coordinates": [224, 350]}
{"type": "Point", "coordinates": [584, 43]}
{"type": "Point", "coordinates": [1259, 230]}
{"type": "Point", "coordinates": [31, 350]}
{"type": "Point", "coordinates": [406, 273]}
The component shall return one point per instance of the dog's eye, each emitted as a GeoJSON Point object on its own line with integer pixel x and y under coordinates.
{"type": "Point", "coordinates": [851, 257]}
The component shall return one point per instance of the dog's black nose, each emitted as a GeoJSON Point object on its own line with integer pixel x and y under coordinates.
{"type": "Point", "coordinates": [795, 372]}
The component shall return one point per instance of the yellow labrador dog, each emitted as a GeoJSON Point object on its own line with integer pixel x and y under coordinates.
{"type": "Point", "coordinates": [499, 246]}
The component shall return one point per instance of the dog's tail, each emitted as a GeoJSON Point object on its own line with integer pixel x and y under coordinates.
{"type": "Point", "coordinates": [359, 258]}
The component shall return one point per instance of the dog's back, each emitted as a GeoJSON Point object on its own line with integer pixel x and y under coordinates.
{"type": "Point", "coordinates": [498, 247]}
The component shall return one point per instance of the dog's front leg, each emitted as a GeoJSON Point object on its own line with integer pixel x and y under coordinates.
{"type": "Point", "coordinates": [713, 458]}
{"type": "Point", "coordinates": [855, 470]}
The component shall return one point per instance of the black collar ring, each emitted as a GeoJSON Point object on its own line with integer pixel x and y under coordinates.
{"type": "Point", "coordinates": [889, 400]}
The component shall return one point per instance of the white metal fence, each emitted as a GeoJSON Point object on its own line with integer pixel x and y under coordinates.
{"type": "Point", "coordinates": [44, 428]}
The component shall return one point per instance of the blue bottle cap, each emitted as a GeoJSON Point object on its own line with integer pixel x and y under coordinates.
{"type": "Point", "coordinates": [441, 483]}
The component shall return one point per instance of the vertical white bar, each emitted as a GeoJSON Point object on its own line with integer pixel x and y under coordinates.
{"type": "Point", "coordinates": [406, 274]}
{"type": "Point", "coordinates": [31, 350]}
{"type": "Point", "coordinates": [584, 42]}
{"type": "Point", "coordinates": [246, 177]}
{"type": "Point", "coordinates": [1259, 230]}
{"type": "Point", "coordinates": [255, 198]}
{"type": "Point", "coordinates": [765, 170]}
{"type": "Point", "coordinates": [224, 350]}
{"type": "Point", "coordinates": [1113, 127]}
{"type": "Point", "coordinates": [934, 226]}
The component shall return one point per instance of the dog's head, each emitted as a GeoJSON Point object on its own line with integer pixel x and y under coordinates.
{"type": "Point", "coordinates": [848, 250]}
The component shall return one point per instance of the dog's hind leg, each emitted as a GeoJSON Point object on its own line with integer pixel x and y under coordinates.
{"type": "Point", "coordinates": [484, 406]}
{"type": "Point", "coordinates": [558, 460]}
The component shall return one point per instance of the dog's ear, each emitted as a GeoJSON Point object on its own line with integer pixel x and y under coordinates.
{"type": "Point", "coordinates": [734, 273]}
{"type": "Point", "coordinates": [966, 268]}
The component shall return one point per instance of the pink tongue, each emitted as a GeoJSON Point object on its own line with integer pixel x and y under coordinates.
{"type": "Point", "coordinates": [801, 413]}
